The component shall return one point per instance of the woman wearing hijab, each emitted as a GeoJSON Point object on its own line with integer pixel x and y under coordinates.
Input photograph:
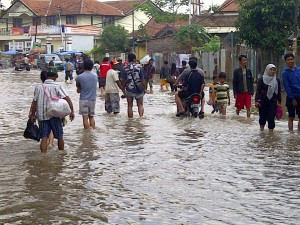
{"type": "Point", "coordinates": [268, 97]}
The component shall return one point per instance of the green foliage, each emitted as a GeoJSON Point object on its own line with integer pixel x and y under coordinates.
{"type": "Point", "coordinates": [164, 10]}
{"type": "Point", "coordinates": [191, 36]}
{"type": "Point", "coordinates": [266, 24]}
{"type": "Point", "coordinates": [113, 38]}
{"type": "Point", "coordinates": [212, 46]}
{"type": "Point", "coordinates": [142, 33]}
{"type": "Point", "coordinates": [214, 8]}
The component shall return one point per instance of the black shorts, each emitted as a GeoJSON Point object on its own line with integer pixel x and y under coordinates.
{"type": "Point", "coordinates": [102, 81]}
{"type": "Point", "coordinates": [184, 94]}
{"type": "Point", "coordinates": [291, 109]}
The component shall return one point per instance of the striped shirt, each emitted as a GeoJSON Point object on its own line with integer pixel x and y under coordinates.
{"type": "Point", "coordinates": [54, 89]}
{"type": "Point", "coordinates": [222, 90]}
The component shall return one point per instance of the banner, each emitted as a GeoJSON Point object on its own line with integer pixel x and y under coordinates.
{"type": "Point", "coordinates": [17, 31]}
{"type": "Point", "coordinates": [82, 29]}
{"type": "Point", "coordinates": [44, 30]}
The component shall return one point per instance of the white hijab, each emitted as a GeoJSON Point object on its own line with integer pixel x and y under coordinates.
{"type": "Point", "coordinates": [271, 81]}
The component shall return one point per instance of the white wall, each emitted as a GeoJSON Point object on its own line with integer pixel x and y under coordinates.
{"type": "Point", "coordinates": [139, 18]}
{"type": "Point", "coordinates": [83, 43]}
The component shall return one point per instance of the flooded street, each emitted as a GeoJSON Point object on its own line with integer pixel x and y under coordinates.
{"type": "Point", "coordinates": [156, 170]}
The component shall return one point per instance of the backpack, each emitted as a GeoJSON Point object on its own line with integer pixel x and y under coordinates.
{"type": "Point", "coordinates": [135, 75]}
{"type": "Point", "coordinates": [69, 66]}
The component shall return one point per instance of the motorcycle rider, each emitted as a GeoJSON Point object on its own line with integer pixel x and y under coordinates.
{"type": "Point", "coordinates": [185, 74]}
{"type": "Point", "coordinates": [193, 83]}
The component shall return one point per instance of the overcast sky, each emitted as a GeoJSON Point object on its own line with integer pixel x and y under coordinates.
{"type": "Point", "coordinates": [207, 3]}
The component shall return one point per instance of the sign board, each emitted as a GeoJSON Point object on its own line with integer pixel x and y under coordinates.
{"type": "Point", "coordinates": [17, 31]}
{"type": "Point", "coordinates": [44, 30]}
{"type": "Point", "coordinates": [181, 57]}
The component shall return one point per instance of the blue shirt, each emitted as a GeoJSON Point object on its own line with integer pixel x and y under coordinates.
{"type": "Point", "coordinates": [65, 65]}
{"type": "Point", "coordinates": [291, 82]}
{"type": "Point", "coordinates": [88, 85]}
{"type": "Point", "coordinates": [194, 82]}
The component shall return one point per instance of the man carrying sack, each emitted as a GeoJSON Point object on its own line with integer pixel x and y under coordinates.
{"type": "Point", "coordinates": [40, 111]}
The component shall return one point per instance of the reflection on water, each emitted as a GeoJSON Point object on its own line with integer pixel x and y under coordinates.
{"type": "Point", "coordinates": [155, 170]}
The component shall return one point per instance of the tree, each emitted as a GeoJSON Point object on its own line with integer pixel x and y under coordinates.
{"type": "Point", "coordinates": [212, 46]}
{"type": "Point", "coordinates": [142, 33]}
{"type": "Point", "coordinates": [164, 10]}
{"type": "Point", "coordinates": [266, 25]}
{"type": "Point", "coordinates": [191, 36]}
{"type": "Point", "coordinates": [114, 38]}
{"type": "Point", "coordinates": [213, 8]}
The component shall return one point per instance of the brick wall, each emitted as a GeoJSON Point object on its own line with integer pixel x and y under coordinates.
{"type": "Point", "coordinates": [164, 44]}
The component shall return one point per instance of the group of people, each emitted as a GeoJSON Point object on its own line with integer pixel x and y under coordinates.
{"type": "Point", "coordinates": [132, 80]}
{"type": "Point", "coordinates": [132, 85]}
{"type": "Point", "coordinates": [267, 95]}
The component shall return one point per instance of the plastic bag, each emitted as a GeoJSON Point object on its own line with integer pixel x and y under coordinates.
{"type": "Point", "coordinates": [279, 112]}
{"type": "Point", "coordinates": [32, 131]}
{"type": "Point", "coordinates": [58, 107]}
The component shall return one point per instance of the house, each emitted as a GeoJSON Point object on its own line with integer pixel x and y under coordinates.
{"type": "Point", "coordinates": [162, 34]}
{"type": "Point", "coordinates": [133, 20]}
{"type": "Point", "coordinates": [133, 16]}
{"type": "Point", "coordinates": [221, 23]}
{"type": "Point", "coordinates": [62, 24]}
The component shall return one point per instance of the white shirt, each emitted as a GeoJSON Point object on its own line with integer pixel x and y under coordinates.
{"type": "Point", "coordinates": [112, 77]}
{"type": "Point", "coordinates": [53, 89]}
{"type": "Point", "coordinates": [26, 60]}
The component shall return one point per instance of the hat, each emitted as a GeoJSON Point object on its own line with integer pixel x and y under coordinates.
{"type": "Point", "coordinates": [114, 61]}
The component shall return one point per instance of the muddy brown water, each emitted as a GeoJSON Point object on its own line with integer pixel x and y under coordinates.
{"type": "Point", "coordinates": [156, 170]}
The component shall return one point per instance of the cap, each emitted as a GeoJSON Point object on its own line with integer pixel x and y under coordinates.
{"type": "Point", "coordinates": [114, 61]}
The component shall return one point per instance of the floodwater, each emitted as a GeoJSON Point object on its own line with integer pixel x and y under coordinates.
{"type": "Point", "coordinates": [156, 170]}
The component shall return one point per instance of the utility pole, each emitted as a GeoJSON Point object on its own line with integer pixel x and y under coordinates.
{"type": "Point", "coordinates": [133, 35]}
{"type": "Point", "coordinates": [296, 14]}
{"type": "Point", "coordinates": [36, 28]}
{"type": "Point", "coordinates": [190, 12]}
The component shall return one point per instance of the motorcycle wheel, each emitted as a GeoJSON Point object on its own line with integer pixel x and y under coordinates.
{"type": "Point", "coordinates": [195, 112]}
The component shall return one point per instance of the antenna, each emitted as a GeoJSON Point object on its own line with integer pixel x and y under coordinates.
{"type": "Point", "coordinates": [211, 8]}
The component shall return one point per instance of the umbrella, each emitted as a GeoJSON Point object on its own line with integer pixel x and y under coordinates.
{"type": "Point", "coordinates": [69, 52]}
{"type": "Point", "coordinates": [145, 59]}
{"type": "Point", "coordinates": [11, 52]}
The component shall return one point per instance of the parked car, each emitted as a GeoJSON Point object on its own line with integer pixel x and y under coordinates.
{"type": "Point", "coordinates": [44, 59]}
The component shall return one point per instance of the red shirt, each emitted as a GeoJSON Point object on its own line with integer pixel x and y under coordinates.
{"type": "Point", "coordinates": [104, 67]}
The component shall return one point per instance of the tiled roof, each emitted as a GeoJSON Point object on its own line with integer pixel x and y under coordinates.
{"type": "Point", "coordinates": [229, 6]}
{"type": "Point", "coordinates": [153, 28]}
{"type": "Point", "coordinates": [38, 7]}
{"type": "Point", "coordinates": [71, 7]}
{"type": "Point", "coordinates": [216, 20]}
{"type": "Point", "coordinates": [125, 6]}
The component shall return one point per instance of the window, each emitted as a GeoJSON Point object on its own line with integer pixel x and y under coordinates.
{"type": "Point", "coordinates": [17, 22]}
{"type": "Point", "coordinates": [51, 20]}
{"type": "Point", "coordinates": [71, 20]}
{"type": "Point", "coordinates": [36, 21]}
{"type": "Point", "coordinates": [107, 20]}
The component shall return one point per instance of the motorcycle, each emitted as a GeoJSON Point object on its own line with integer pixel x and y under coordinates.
{"type": "Point", "coordinates": [192, 105]}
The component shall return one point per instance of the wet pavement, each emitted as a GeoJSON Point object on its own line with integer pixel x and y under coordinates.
{"type": "Point", "coordinates": [156, 170]}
